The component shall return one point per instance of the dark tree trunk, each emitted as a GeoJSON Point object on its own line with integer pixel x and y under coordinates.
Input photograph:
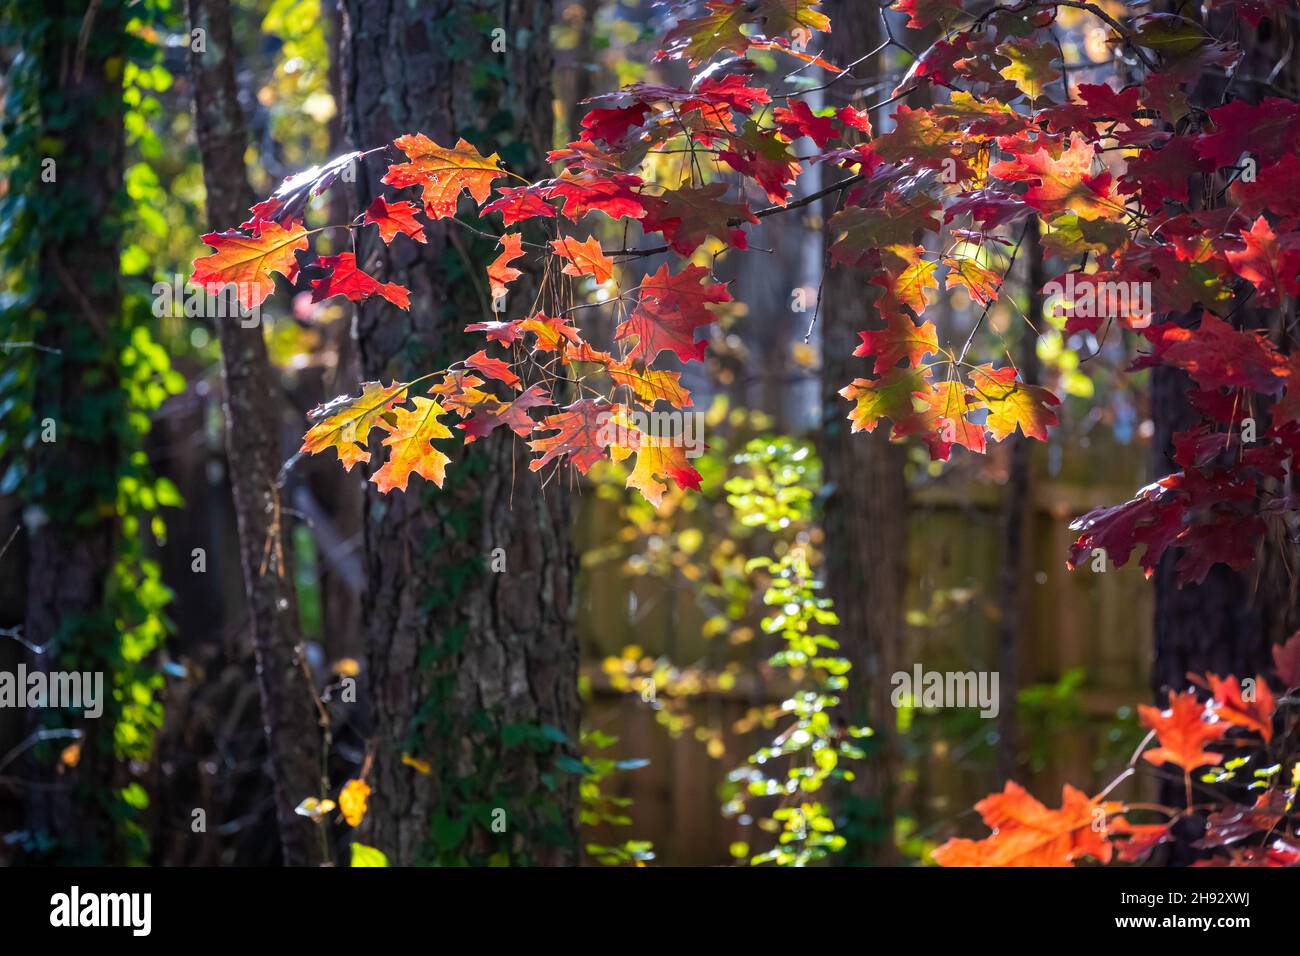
{"type": "Point", "coordinates": [1017, 511]}
{"type": "Point", "coordinates": [865, 514]}
{"type": "Point", "coordinates": [71, 482]}
{"type": "Point", "coordinates": [462, 661]}
{"type": "Point", "coordinates": [289, 708]}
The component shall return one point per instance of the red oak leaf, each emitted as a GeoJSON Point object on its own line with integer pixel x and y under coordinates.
{"type": "Point", "coordinates": [493, 368]}
{"type": "Point", "coordinates": [1270, 264]}
{"type": "Point", "coordinates": [670, 309]}
{"type": "Point", "coordinates": [687, 217]}
{"type": "Point", "coordinates": [799, 120]}
{"type": "Point", "coordinates": [500, 273]}
{"type": "Point", "coordinates": [351, 283]}
{"type": "Point", "coordinates": [581, 434]}
{"type": "Point", "coordinates": [900, 340]}
{"type": "Point", "coordinates": [517, 203]}
{"type": "Point", "coordinates": [393, 218]}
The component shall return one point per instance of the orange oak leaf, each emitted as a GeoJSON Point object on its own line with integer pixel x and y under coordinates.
{"type": "Point", "coordinates": [442, 174]}
{"type": "Point", "coordinates": [1183, 733]}
{"type": "Point", "coordinates": [1011, 403]}
{"type": "Point", "coordinates": [500, 272]}
{"type": "Point", "coordinates": [494, 368]}
{"type": "Point", "coordinates": [980, 284]}
{"type": "Point", "coordinates": [650, 385]}
{"type": "Point", "coordinates": [409, 437]}
{"type": "Point", "coordinates": [248, 261]}
{"type": "Point", "coordinates": [583, 258]}
{"type": "Point", "coordinates": [1062, 182]}
{"type": "Point", "coordinates": [393, 218]}
{"type": "Point", "coordinates": [347, 280]}
{"type": "Point", "coordinates": [661, 458]}
{"type": "Point", "coordinates": [1026, 833]}
{"type": "Point", "coordinates": [460, 393]}
{"type": "Point", "coordinates": [344, 423]}
{"type": "Point", "coordinates": [552, 333]}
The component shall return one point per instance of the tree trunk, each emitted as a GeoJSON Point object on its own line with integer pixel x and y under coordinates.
{"type": "Point", "coordinates": [289, 708]}
{"type": "Point", "coordinates": [469, 670]}
{"type": "Point", "coordinates": [75, 458]}
{"type": "Point", "coordinates": [1017, 511]}
{"type": "Point", "coordinates": [865, 514]}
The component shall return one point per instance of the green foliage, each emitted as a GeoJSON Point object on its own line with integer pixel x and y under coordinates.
{"type": "Point", "coordinates": [125, 375]}
{"type": "Point", "coordinates": [774, 493]}
{"type": "Point", "coordinates": [598, 807]}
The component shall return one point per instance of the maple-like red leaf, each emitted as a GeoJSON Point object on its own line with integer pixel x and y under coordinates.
{"type": "Point", "coordinates": [766, 158]}
{"type": "Point", "coordinates": [799, 120]}
{"type": "Point", "coordinates": [901, 339]}
{"type": "Point", "coordinates": [1270, 264]}
{"type": "Point", "coordinates": [393, 218]}
{"type": "Point", "coordinates": [1268, 130]}
{"type": "Point", "coordinates": [669, 311]}
{"type": "Point", "coordinates": [347, 280]}
{"type": "Point", "coordinates": [581, 434]}
{"type": "Point", "coordinates": [517, 203]}
{"type": "Point", "coordinates": [617, 195]}
{"type": "Point", "coordinates": [1286, 658]}
{"type": "Point", "coordinates": [1252, 710]}
{"type": "Point", "coordinates": [613, 125]}
{"type": "Point", "coordinates": [1152, 519]}
{"type": "Point", "coordinates": [513, 414]}
{"type": "Point", "coordinates": [493, 368]}
{"type": "Point", "coordinates": [1217, 356]}
{"type": "Point", "coordinates": [504, 332]}
{"type": "Point", "coordinates": [688, 216]}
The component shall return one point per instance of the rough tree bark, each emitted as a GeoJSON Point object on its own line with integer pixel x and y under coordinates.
{"type": "Point", "coordinates": [865, 512]}
{"type": "Point", "coordinates": [464, 663]}
{"type": "Point", "coordinates": [289, 711]}
{"type": "Point", "coordinates": [71, 482]}
{"type": "Point", "coordinates": [1017, 511]}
